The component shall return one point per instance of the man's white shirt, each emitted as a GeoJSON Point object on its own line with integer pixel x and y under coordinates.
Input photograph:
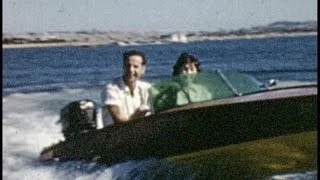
{"type": "Point", "coordinates": [118, 94]}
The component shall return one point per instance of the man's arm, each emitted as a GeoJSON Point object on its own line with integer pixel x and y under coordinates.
{"type": "Point", "coordinates": [116, 114]}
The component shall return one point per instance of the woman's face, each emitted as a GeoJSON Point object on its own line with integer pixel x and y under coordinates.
{"type": "Point", "coordinates": [188, 68]}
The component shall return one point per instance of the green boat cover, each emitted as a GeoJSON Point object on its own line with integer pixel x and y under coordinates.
{"type": "Point", "coordinates": [203, 86]}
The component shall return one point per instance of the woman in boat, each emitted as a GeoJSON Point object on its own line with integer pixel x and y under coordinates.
{"type": "Point", "coordinates": [190, 90]}
{"type": "Point", "coordinates": [183, 88]}
{"type": "Point", "coordinates": [186, 64]}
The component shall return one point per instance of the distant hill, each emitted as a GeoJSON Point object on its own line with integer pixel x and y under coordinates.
{"type": "Point", "coordinates": [276, 27]}
{"type": "Point", "coordinates": [288, 26]}
{"type": "Point", "coordinates": [124, 38]}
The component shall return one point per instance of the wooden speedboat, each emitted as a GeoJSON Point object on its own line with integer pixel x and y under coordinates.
{"type": "Point", "coordinates": [253, 115]}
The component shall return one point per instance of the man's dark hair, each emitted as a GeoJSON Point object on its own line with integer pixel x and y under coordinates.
{"type": "Point", "coordinates": [127, 54]}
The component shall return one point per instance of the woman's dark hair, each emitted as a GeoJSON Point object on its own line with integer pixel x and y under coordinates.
{"type": "Point", "coordinates": [127, 54]}
{"type": "Point", "coordinates": [183, 59]}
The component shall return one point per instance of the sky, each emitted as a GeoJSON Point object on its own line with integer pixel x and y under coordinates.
{"type": "Point", "coordinates": [21, 16]}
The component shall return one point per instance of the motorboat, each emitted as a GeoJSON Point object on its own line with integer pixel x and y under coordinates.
{"type": "Point", "coordinates": [237, 109]}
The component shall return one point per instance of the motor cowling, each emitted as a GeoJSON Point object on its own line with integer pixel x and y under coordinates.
{"type": "Point", "coordinates": [78, 117]}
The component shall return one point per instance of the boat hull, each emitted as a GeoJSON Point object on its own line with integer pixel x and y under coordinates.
{"type": "Point", "coordinates": [196, 127]}
{"type": "Point", "coordinates": [292, 156]}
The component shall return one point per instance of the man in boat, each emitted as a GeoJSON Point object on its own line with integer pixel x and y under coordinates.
{"type": "Point", "coordinates": [127, 97]}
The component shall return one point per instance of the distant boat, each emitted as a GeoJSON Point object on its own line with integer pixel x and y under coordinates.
{"type": "Point", "coordinates": [179, 37]}
{"type": "Point", "coordinates": [126, 43]}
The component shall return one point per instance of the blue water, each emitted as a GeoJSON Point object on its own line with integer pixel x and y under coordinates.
{"type": "Point", "coordinates": [282, 58]}
{"type": "Point", "coordinates": [37, 82]}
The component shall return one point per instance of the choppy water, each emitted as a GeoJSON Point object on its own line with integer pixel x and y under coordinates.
{"type": "Point", "coordinates": [37, 82]}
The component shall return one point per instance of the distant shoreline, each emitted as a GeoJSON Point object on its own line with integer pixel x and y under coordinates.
{"type": "Point", "coordinates": [194, 39]}
{"type": "Point", "coordinates": [38, 45]}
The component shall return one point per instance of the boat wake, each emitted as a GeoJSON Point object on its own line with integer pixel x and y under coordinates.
{"type": "Point", "coordinates": [150, 168]}
{"type": "Point", "coordinates": [29, 126]}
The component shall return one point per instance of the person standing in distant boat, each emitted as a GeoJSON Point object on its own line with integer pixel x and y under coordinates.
{"type": "Point", "coordinates": [186, 64]}
{"type": "Point", "coordinates": [127, 97]}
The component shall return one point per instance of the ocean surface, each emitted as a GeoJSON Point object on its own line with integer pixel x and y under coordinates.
{"type": "Point", "coordinates": [38, 82]}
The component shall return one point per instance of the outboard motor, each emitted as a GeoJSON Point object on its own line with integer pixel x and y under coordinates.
{"type": "Point", "coordinates": [78, 117]}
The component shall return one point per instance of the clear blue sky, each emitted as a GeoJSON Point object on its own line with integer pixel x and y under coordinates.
{"type": "Point", "coordinates": [150, 15]}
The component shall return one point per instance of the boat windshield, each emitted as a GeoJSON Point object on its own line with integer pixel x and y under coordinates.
{"type": "Point", "coordinates": [203, 86]}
